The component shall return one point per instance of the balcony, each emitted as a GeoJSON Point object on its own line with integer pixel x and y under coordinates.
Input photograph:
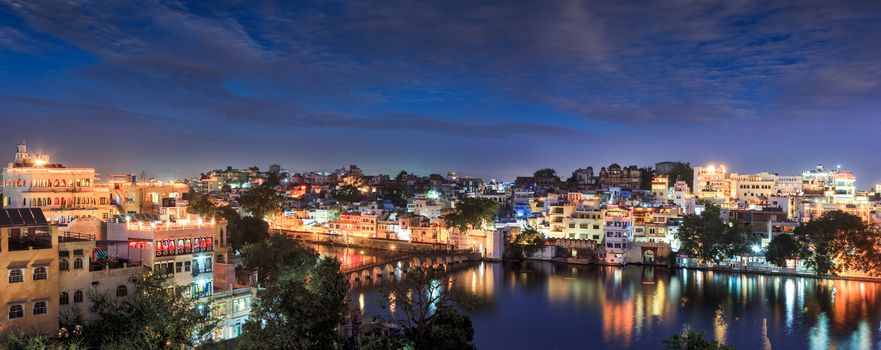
{"type": "Point", "coordinates": [35, 239]}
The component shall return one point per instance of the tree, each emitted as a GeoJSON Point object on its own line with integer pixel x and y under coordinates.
{"type": "Point", "coordinates": [277, 256]}
{"type": "Point", "coordinates": [471, 212]}
{"type": "Point", "coordinates": [709, 238]}
{"type": "Point", "coordinates": [782, 247]}
{"type": "Point", "coordinates": [545, 173]}
{"type": "Point", "coordinates": [529, 236]}
{"type": "Point", "coordinates": [261, 200]}
{"type": "Point", "coordinates": [155, 316]}
{"type": "Point", "coordinates": [427, 300]}
{"type": "Point", "coordinates": [199, 204]}
{"type": "Point", "coordinates": [682, 172]}
{"type": "Point", "coordinates": [300, 308]}
{"type": "Point", "coordinates": [837, 242]}
{"type": "Point", "coordinates": [347, 193]}
{"type": "Point", "coordinates": [693, 340]}
{"type": "Point", "coordinates": [646, 175]}
{"type": "Point", "coordinates": [21, 340]}
{"type": "Point", "coordinates": [246, 230]}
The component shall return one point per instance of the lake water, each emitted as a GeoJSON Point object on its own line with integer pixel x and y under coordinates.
{"type": "Point", "coordinates": [543, 305]}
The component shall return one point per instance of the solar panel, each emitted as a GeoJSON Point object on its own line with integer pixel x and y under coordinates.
{"type": "Point", "coordinates": [22, 217]}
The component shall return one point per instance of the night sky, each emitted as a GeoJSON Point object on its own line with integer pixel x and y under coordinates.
{"type": "Point", "coordinates": [492, 89]}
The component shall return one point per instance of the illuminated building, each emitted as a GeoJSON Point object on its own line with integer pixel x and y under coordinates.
{"type": "Point", "coordinates": [660, 187]}
{"type": "Point", "coordinates": [63, 194]}
{"type": "Point", "coordinates": [585, 223]}
{"type": "Point", "coordinates": [133, 196]}
{"type": "Point", "coordinates": [627, 178]}
{"type": "Point", "coordinates": [834, 184]}
{"type": "Point", "coordinates": [711, 182]}
{"type": "Point", "coordinates": [175, 244]}
{"type": "Point", "coordinates": [558, 212]}
{"type": "Point", "coordinates": [618, 234]}
{"type": "Point", "coordinates": [29, 256]}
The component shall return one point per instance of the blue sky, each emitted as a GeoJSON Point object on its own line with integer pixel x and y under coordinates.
{"type": "Point", "coordinates": [489, 88]}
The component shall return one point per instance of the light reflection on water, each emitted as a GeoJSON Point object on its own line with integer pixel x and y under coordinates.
{"type": "Point", "coordinates": [636, 307]}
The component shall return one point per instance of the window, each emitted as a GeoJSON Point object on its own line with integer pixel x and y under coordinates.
{"type": "Point", "coordinates": [64, 265]}
{"type": "Point", "coordinates": [16, 276]}
{"type": "Point", "coordinates": [180, 266]}
{"type": "Point", "coordinates": [78, 296]}
{"type": "Point", "coordinates": [186, 266]}
{"type": "Point", "coordinates": [78, 264]}
{"type": "Point", "coordinates": [16, 311]}
{"type": "Point", "coordinates": [41, 308]}
{"type": "Point", "coordinates": [64, 299]}
{"type": "Point", "coordinates": [40, 273]}
{"type": "Point", "coordinates": [121, 291]}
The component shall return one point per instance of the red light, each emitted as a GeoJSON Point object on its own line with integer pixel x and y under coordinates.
{"type": "Point", "coordinates": [131, 244]}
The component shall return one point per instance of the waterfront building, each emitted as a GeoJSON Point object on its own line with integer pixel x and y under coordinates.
{"type": "Point", "coordinates": [618, 235]}
{"type": "Point", "coordinates": [62, 194]}
{"type": "Point", "coordinates": [585, 223]}
{"type": "Point", "coordinates": [558, 212]}
{"type": "Point", "coordinates": [711, 183]}
{"type": "Point", "coordinates": [29, 256]}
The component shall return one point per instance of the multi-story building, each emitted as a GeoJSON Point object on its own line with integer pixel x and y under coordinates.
{"type": "Point", "coordinates": [712, 183]}
{"type": "Point", "coordinates": [63, 194]}
{"type": "Point", "coordinates": [660, 187]}
{"type": "Point", "coordinates": [627, 178]}
{"type": "Point", "coordinates": [176, 245]}
{"type": "Point", "coordinates": [29, 255]}
{"type": "Point", "coordinates": [618, 235]}
{"type": "Point", "coordinates": [557, 216]}
{"type": "Point", "coordinates": [585, 223]}
{"type": "Point", "coordinates": [132, 196]}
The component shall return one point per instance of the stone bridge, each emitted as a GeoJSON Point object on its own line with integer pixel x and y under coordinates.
{"type": "Point", "coordinates": [384, 268]}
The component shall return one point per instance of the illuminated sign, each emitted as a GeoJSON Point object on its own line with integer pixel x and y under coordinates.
{"type": "Point", "coordinates": [184, 246]}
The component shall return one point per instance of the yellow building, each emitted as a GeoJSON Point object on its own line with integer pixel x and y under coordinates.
{"type": "Point", "coordinates": [63, 194]}
{"type": "Point", "coordinates": [29, 287]}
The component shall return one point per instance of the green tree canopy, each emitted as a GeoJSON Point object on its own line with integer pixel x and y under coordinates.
{"type": "Point", "coordinates": [545, 173]}
{"type": "Point", "coordinates": [708, 238]}
{"type": "Point", "coordinates": [839, 241]}
{"type": "Point", "coordinates": [530, 236]}
{"type": "Point", "coordinates": [261, 201]}
{"type": "Point", "coordinates": [682, 172]}
{"type": "Point", "coordinates": [347, 193]}
{"type": "Point", "coordinates": [471, 212]}
{"type": "Point", "coordinates": [304, 301]}
{"type": "Point", "coordinates": [693, 340]}
{"type": "Point", "coordinates": [277, 256]}
{"type": "Point", "coordinates": [782, 247]}
{"type": "Point", "coordinates": [246, 230]}
{"type": "Point", "coordinates": [154, 316]}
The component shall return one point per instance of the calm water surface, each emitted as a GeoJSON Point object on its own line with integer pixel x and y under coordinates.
{"type": "Point", "coordinates": [542, 305]}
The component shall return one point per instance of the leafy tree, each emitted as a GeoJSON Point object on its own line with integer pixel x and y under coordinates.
{"type": "Point", "coordinates": [545, 173]}
{"type": "Point", "coordinates": [839, 241]}
{"type": "Point", "coordinates": [682, 172]}
{"type": "Point", "coordinates": [155, 316]}
{"type": "Point", "coordinates": [22, 340]}
{"type": "Point", "coordinates": [199, 204]}
{"type": "Point", "coordinates": [709, 238]}
{"type": "Point", "coordinates": [379, 341]}
{"type": "Point", "coordinates": [693, 340]}
{"type": "Point", "coordinates": [277, 256]}
{"type": "Point", "coordinates": [299, 309]}
{"type": "Point", "coordinates": [529, 236]}
{"type": "Point", "coordinates": [347, 193]}
{"type": "Point", "coordinates": [246, 230]}
{"type": "Point", "coordinates": [261, 200]}
{"type": "Point", "coordinates": [646, 175]}
{"type": "Point", "coordinates": [471, 212]}
{"type": "Point", "coordinates": [427, 301]}
{"type": "Point", "coordinates": [782, 247]}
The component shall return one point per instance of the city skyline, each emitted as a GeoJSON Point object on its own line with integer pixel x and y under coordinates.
{"type": "Point", "coordinates": [494, 90]}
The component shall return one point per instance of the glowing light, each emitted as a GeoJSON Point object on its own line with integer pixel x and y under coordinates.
{"type": "Point", "coordinates": [40, 162]}
{"type": "Point", "coordinates": [756, 248]}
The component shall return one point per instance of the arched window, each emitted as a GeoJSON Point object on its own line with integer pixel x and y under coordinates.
{"type": "Point", "coordinates": [64, 265]}
{"type": "Point", "coordinates": [78, 263]}
{"type": "Point", "coordinates": [16, 276]}
{"type": "Point", "coordinates": [16, 311]}
{"type": "Point", "coordinates": [41, 308]}
{"type": "Point", "coordinates": [78, 296]}
{"type": "Point", "coordinates": [40, 273]}
{"type": "Point", "coordinates": [121, 291]}
{"type": "Point", "coordinates": [64, 299]}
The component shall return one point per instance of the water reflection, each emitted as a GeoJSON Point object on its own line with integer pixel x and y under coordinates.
{"type": "Point", "coordinates": [636, 307]}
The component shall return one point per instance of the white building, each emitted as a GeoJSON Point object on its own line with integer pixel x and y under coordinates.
{"type": "Point", "coordinates": [618, 236]}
